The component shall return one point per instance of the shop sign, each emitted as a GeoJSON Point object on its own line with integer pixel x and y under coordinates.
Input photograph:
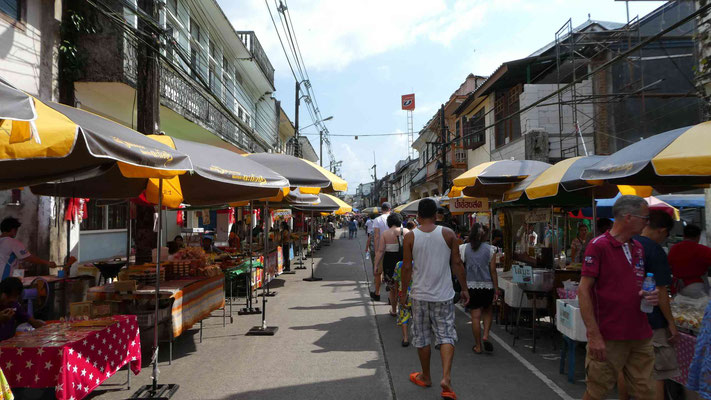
{"type": "Point", "coordinates": [282, 213]}
{"type": "Point", "coordinates": [468, 205]}
{"type": "Point", "coordinates": [539, 215]}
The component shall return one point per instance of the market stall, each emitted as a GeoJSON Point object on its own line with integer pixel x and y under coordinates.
{"type": "Point", "coordinates": [72, 357]}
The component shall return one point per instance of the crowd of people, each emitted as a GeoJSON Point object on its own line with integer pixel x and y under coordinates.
{"type": "Point", "coordinates": [427, 268]}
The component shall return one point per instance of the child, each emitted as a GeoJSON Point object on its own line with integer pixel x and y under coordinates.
{"type": "Point", "coordinates": [404, 314]}
{"type": "Point", "coordinates": [11, 313]}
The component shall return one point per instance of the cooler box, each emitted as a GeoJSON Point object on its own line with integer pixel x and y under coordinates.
{"type": "Point", "coordinates": [569, 321]}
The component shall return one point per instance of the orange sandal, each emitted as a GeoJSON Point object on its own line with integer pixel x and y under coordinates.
{"type": "Point", "coordinates": [413, 379]}
{"type": "Point", "coordinates": [448, 395]}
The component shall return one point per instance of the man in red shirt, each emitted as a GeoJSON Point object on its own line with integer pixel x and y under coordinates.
{"type": "Point", "coordinates": [619, 336]}
{"type": "Point", "coordinates": [690, 262]}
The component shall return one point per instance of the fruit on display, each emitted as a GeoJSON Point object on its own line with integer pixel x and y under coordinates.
{"type": "Point", "coordinates": [688, 312]}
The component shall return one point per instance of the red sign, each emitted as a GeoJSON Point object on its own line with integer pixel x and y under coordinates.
{"type": "Point", "coordinates": [408, 102]}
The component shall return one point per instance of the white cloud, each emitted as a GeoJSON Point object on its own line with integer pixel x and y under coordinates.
{"type": "Point", "coordinates": [333, 34]}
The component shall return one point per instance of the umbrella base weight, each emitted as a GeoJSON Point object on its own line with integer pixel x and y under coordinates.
{"type": "Point", "coordinates": [270, 294]}
{"type": "Point", "coordinates": [249, 311]}
{"type": "Point", "coordinates": [162, 392]}
{"type": "Point", "coordinates": [259, 331]}
{"type": "Point", "coordinates": [313, 279]}
{"type": "Point", "coordinates": [301, 267]}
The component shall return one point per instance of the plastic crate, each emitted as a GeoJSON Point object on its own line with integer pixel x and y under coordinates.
{"type": "Point", "coordinates": [569, 321]}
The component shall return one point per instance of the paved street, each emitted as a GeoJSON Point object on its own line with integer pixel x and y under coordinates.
{"type": "Point", "coordinates": [334, 343]}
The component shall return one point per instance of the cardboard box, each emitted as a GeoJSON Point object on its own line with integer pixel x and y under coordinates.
{"type": "Point", "coordinates": [80, 309]}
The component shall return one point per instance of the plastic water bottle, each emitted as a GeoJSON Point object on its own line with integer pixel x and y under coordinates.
{"type": "Point", "coordinates": [367, 255]}
{"type": "Point", "coordinates": [648, 286]}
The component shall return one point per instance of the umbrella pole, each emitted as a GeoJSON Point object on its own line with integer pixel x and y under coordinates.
{"type": "Point", "coordinates": [248, 309]}
{"type": "Point", "coordinates": [594, 214]}
{"type": "Point", "coordinates": [154, 390]}
{"type": "Point", "coordinates": [301, 254]}
{"type": "Point", "coordinates": [312, 278]}
{"type": "Point", "coordinates": [263, 329]}
{"type": "Point", "coordinates": [128, 233]}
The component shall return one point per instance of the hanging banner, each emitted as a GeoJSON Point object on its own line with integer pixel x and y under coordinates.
{"type": "Point", "coordinates": [408, 102]}
{"type": "Point", "coordinates": [539, 215]}
{"type": "Point", "coordinates": [282, 213]}
{"type": "Point", "coordinates": [468, 205]}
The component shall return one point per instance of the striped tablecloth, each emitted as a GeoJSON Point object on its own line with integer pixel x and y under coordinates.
{"type": "Point", "coordinates": [684, 354]}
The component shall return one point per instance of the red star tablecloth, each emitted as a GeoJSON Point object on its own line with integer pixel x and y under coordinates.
{"type": "Point", "coordinates": [74, 358]}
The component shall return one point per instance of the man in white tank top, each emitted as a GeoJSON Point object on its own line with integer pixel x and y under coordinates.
{"type": "Point", "coordinates": [435, 254]}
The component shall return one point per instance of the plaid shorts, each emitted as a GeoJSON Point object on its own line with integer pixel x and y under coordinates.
{"type": "Point", "coordinates": [433, 317]}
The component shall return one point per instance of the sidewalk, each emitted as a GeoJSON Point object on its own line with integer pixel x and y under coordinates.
{"type": "Point", "coordinates": [327, 345]}
{"type": "Point", "coordinates": [330, 346]}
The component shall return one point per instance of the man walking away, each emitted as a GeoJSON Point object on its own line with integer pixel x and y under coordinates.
{"type": "Point", "coordinates": [380, 225]}
{"type": "Point", "coordinates": [660, 320]}
{"type": "Point", "coordinates": [433, 249]}
{"type": "Point", "coordinates": [690, 263]}
{"type": "Point", "coordinates": [619, 336]}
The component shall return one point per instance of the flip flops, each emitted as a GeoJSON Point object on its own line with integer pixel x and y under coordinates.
{"type": "Point", "coordinates": [413, 379]}
{"type": "Point", "coordinates": [488, 347]}
{"type": "Point", "coordinates": [448, 395]}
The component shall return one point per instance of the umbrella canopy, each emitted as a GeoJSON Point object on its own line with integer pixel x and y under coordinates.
{"type": "Point", "coordinates": [492, 179]}
{"type": "Point", "coordinates": [220, 176]}
{"type": "Point", "coordinates": [563, 175]}
{"type": "Point", "coordinates": [76, 141]}
{"type": "Point", "coordinates": [677, 157]}
{"type": "Point", "coordinates": [310, 177]}
{"type": "Point", "coordinates": [344, 208]}
{"type": "Point", "coordinates": [371, 210]}
{"type": "Point", "coordinates": [326, 204]}
{"type": "Point", "coordinates": [411, 207]}
{"type": "Point", "coordinates": [18, 107]}
{"type": "Point", "coordinates": [604, 207]}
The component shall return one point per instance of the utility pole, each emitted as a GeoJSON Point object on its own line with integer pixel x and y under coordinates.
{"type": "Point", "coordinates": [444, 149]}
{"type": "Point", "coordinates": [297, 142]}
{"type": "Point", "coordinates": [375, 181]}
{"type": "Point", "coordinates": [147, 115]}
{"type": "Point", "coordinates": [320, 152]}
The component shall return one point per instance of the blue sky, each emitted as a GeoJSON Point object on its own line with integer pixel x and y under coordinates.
{"type": "Point", "coordinates": [362, 55]}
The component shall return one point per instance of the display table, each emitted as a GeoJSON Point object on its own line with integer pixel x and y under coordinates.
{"type": "Point", "coordinates": [512, 294]}
{"type": "Point", "coordinates": [192, 299]}
{"type": "Point", "coordinates": [684, 354]}
{"type": "Point", "coordinates": [234, 273]}
{"type": "Point", "coordinates": [72, 358]}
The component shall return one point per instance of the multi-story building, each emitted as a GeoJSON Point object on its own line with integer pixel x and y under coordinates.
{"type": "Point", "coordinates": [401, 181]}
{"type": "Point", "coordinates": [29, 61]}
{"type": "Point", "coordinates": [429, 144]}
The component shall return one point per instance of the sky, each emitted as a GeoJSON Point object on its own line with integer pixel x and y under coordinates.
{"type": "Point", "coordinates": [361, 56]}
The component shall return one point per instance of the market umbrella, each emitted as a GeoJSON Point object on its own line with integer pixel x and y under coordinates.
{"type": "Point", "coordinates": [220, 176]}
{"type": "Point", "coordinates": [673, 158]}
{"type": "Point", "coordinates": [492, 179]}
{"type": "Point", "coordinates": [564, 175]}
{"type": "Point", "coordinates": [604, 207]}
{"type": "Point", "coordinates": [411, 207]}
{"type": "Point", "coordinates": [371, 210]}
{"type": "Point", "coordinates": [343, 207]}
{"type": "Point", "coordinates": [310, 177]}
{"type": "Point", "coordinates": [79, 142]}
{"type": "Point", "coordinates": [19, 108]}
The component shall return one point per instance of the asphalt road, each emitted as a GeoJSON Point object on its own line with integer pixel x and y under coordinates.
{"type": "Point", "coordinates": [333, 342]}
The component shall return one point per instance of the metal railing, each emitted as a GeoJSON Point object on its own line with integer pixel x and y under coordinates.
{"type": "Point", "coordinates": [249, 38]}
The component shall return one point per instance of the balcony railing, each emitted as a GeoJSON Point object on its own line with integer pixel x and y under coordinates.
{"type": "Point", "coordinates": [260, 56]}
{"type": "Point", "coordinates": [189, 99]}
{"type": "Point", "coordinates": [456, 159]}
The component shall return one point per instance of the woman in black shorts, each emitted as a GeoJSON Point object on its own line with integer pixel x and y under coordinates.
{"type": "Point", "coordinates": [390, 251]}
{"type": "Point", "coordinates": [482, 283]}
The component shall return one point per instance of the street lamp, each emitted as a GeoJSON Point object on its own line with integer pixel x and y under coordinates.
{"type": "Point", "coordinates": [320, 137]}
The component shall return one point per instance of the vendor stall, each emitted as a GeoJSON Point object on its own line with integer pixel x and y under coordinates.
{"type": "Point", "coordinates": [72, 357]}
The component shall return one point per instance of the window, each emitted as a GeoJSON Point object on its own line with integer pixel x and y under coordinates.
{"type": "Point", "coordinates": [194, 30]}
{"type": "Point", "coordinates": [473, 130]}
{"type": "Point", "coordinates": [213, 79]}
{"type": "Point", "coordinates": [12, 10]}
{"type": "Point", "coordinates": [102, 217]}
{"type": "Point", "coordinates": [507, 103]}
{"type": "Point", "coordinates": [213, 51]}
{"type": "Point", "coordinates": [172, 6]}
{"type": "Point", "coordinates": [194, 62]}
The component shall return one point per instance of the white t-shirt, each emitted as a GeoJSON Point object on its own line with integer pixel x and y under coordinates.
{"type": "Point", "coordinates": [11, 252]}
{"type": "Point", "coordinates": [369, 226]}
{"type": "Point", "coordinates": [381, 223]}
{"type": "Point", "coordinates": [431, 273]}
